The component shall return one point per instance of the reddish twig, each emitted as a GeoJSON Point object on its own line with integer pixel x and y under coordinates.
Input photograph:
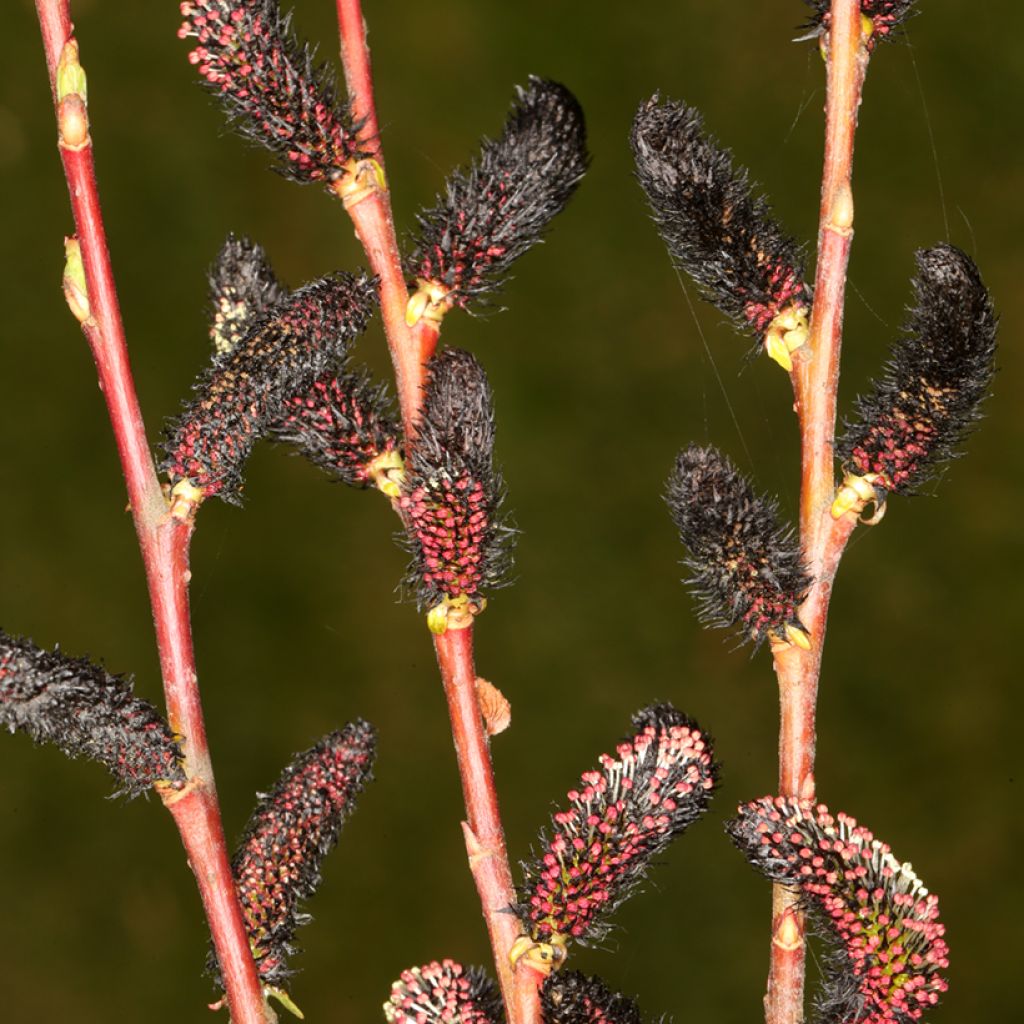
{"type": "Point", "coordinates": [815, 381]}
{"type": "Point", "coordinates": [366, 197]}
{"type": "Point", "coordinates": [410, 351]}
{"type": "Point", "coordinates": [163, 541]}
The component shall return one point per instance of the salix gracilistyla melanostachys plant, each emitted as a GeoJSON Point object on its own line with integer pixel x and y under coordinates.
{"type": "Point", "coordinates": [571, 997]}
{"type": "Point", "coordinates": [277, 863]}
{"type": "Point", "coordinates": [623, 815]}
{"type": "Point", "coordinates": [243, 393]}
{"type": "Point", "coordinates": [920, 410]}
{"type": "Point", "coordinates": [751, 573]}
{"type": "Point", "coordinates": [886, 953]}
{"type": "Point", "coordinates": [444, 992]}
{"type": "Point", "coordinates": [86, 712]}
{"type": "Point", "coordinates": [717, 231]}
{"type": "Point", "coordinates": [500, 205]}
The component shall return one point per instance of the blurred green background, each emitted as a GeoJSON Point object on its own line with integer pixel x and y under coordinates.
{"type": "Point", "coordinates": [600, 375]}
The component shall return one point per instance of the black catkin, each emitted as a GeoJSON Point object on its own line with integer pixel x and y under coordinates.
{"type": "Point", "coordinates": [243, 394]}
{"type": "Point", "coordinates": [746, 566]}
{"type": "Point", "coordinates": [887, 946]}
{"type": "Point", "coordinates": [621, 817]}
{"type": "Point", "coordinates": [452, 494]}
{"type": "Point", "coordinates": [270, 88]}
{"type": "Point", "coordinates": [717, 231]}
{"type": "Point", "coordinates": [277, 864]}
{"type": "Point", "coordinates": [346, 426]}
{"type": "Point", "coordinates": [569, 997]}
{"type": "Point", "coordinates": [242, 288]}
{"type": "Point", "coordinates": [499, 206]}
{"type": "Point", "coordinates": [929, 397]}
{"type": "Point", "coordinates": [444, 992]}
{"type": "Point", "coordinates": [86, 712]}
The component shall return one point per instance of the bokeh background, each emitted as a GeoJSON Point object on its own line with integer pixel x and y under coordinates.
{"type": "Point", "coordinates": [601, 374]}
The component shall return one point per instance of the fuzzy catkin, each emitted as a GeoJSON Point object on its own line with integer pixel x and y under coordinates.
{"type": "Point", "coordinates": [929, 397]}
{"type": "Point", "coordinates": [277, 864]}
{"type": "Point", "coordinates": [242, 288]}
{"type": "Point", "coordinates": [569, 997]}
{"type": "Point", "coordinates": [887, 946]}
{"type": "Point", "coordinates": [243, 394]}
{"type": "Point", "coordinates": [623, 815]}
{"type": "Point", "coordinates": [746, 567]}
{"type": "Point", "coordinates": [886, 17]}
{"type": "Point", "coordinates": [444, 992]}
{"type": "Point", "coordinates": [452, 494]}
{"type": "Point", "coordinates": [86, 712]}
{"type": "Point", "coordinates": [714, 228]}
{"type": "Point", "coordinates": [499, 206]}
{"type": "Point", "coordinates": [271, 90]}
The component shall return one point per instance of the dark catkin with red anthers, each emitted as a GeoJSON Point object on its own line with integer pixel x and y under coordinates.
{"type": "Point", "coordinates": [277, 864]}
{"type": "Point", "coordinates": [930, 395]}
{"type": "Point", "coordinates": [569, 997]}
{"type": "Point", "coordinates": [269, 86]}
{"type": "Point", "coordinates": [345, 425]}
{"type": "Point", "coordinates": [888, 949]}
{"type": "Point", "coordinates": [244, 392]}
{"type": "Point", "coordinates": [452, 493]}
{"type": "Point", "coordinates": [500, 205]}
{"type": "Point", "coordinates": [86, 712]}
{"type": "Point", "coordinates": [746, 567]}
{"type": "Point", "coordinates": [713, 226]}
{"type": "Point", "coordinates": [886, 16]}
{"type": "Point", "coordinates": [444, 992]}
{"type": "Point", "coordinates": [242, 288]}
{"type": "Point", "coordinates": [624, 814]}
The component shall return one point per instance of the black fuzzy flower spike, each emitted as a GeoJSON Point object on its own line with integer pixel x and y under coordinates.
{"type": "Point", "coordinates": [717, 231]}
{"type": "Point", "coordinates": [277, 865]}
{"type": "Point", "coordinates": [270, 88]}
{"type": "Point", "coordinates": [570, 997]}
{"type": "Point", "coordinates": [243, 394]}
{"type": "Point", "coordinates": [622, 816]}
{"type": "Point", "coordinates": [500, 205]}
{"type": "Point", "coordinates": [452, 495]}
{"type": "Point", "coordinates": [929, 398]}
{"type": "Point", "coordinates": [888, 951]}
{"type": "Point", "coordinates": [444, 993]}
{"type": "Point", "coordinates": [883, 17]}
{"type": "Point", "coordinates": [243, 287]}
{"type": "Point", "coordinates": [345, 425]}
{"type": "Point", "coordinates": [746, 566]}
{"type": "Point", "coordinates": [86, 712]}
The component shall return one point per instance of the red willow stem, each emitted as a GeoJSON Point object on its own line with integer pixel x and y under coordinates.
{"type": "Point", "coordinates": [370, 210]}
{"type": "Point", "coordinates": [815, 381]}
{"type": "Point", "coordinates": [410, 351]}
{"type": "Point", "coordinates": [163, 541]}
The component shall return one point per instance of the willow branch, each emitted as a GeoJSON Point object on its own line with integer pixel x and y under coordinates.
{"type": "Point", "coordinates": [368, 202]}
{"type": "Point", "coordinates": [163, 541]}
{"type": "Point", "coordinates": [410, 351]}
{"type": "Point", "coordinates": [816, 380]}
